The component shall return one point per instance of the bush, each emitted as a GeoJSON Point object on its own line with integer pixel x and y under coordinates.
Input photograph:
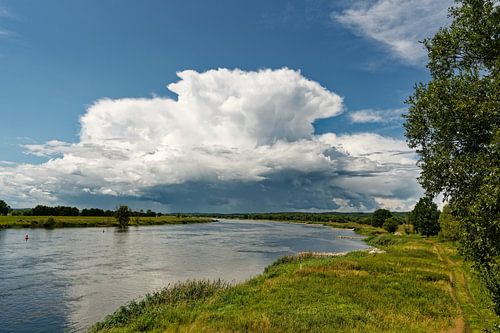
{"type": "Point", "coordinates": [391, 224]}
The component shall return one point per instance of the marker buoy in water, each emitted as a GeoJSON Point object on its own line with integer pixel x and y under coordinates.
{"type": "Point", "coordinates": [26, 237]}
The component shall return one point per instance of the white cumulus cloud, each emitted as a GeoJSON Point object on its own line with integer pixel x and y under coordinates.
{"type": "Point", "coordinates": [233, 140]}
{"type": "Point", "coordinates": [397, 24]}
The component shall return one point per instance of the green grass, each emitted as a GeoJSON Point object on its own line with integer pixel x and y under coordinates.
{"type": "Point", "coordinates": [418, 285]}
{"type": "Point", "coordinates": [91, 221]}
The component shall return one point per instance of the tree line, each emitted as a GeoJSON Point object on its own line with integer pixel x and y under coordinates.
{"type": "Point", "coordinates": [42, 210]}
{"type": "Point", "coordinates": [453, 123]}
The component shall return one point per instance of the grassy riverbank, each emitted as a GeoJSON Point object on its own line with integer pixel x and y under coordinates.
{"type": "Point", "coordinates": [91, 221]}
{"type": "Point", "coordinates": [418, 285]}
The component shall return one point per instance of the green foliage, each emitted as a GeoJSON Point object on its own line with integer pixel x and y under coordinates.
{"type": "Point", "coordinates": [41, 210]}
{"type": "Point", "coordinates": [379, 216]}
{"type": "Point", "coordinates": [454, 123]}
{"type": "Point", "coordinates": [294, 216]}
{"type": "Point", "coordinates": [425, 216]}
{"type": "Point", "coordinates": [391, 224]}
{"type": "Point", "coordinates": [122, 215]}
{"type": "Point", "coordinates": [4, 208]}
{"type": "Point", "coordinates": [451, 230]}
{"type": "Point", "coordinates": [49, 223]}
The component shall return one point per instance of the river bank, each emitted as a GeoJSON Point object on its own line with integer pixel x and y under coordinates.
{"type": "Point", "coordinates": [417, 285]}
{"type": "Point", "coordinates": [91, 221]}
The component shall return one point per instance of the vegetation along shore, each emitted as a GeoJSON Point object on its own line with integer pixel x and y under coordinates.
{"type": "Point", "coordinates": [416, 284]}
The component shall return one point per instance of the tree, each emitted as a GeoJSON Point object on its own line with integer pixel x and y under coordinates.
{"type": "Point", "coordinates": [454, 124]}
{"type": "Point", "coordinates": [4, 208]}
{"type": "Point", "coordinates": [122, 215]}
{"type": "Point", "coordinates": [450, 226]}
{"type": "Point", "coordinates": [379, 216]}
{"type": "Point", "coordinates": [424, 217]}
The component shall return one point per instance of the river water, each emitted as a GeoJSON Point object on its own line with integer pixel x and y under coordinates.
{"type": "Point", "coordinates": [67, 279]}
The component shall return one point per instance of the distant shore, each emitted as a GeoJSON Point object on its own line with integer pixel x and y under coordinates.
{"type": "Point", "coordinates": [50, 222]}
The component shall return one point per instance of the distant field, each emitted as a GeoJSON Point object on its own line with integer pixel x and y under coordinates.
{"type": "Point", "coordinates": [91, 221]}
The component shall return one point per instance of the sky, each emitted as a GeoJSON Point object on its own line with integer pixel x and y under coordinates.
{"type": "Point", "coordinates": [211, 106]}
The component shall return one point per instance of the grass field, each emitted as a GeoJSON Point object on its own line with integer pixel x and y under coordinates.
{"type": "Point", "coordinates": [91, 221]}
{"type": "Point", "coordinates": [418, 285]}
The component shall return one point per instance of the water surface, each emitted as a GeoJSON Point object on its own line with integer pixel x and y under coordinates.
{"type": "Point", "coordinates": [67, 279]}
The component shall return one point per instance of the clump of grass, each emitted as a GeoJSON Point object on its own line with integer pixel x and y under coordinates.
{"type": "Point", "coordinates": [182, 292]}
{"type": "Point", "coordinates": [287, 260]}
{"type": "Point", "coordinates": [49, 223]}
{"type": "Point", "coordinates": [384, 240]}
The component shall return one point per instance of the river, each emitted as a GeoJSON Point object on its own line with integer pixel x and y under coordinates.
{"type": "Point", "coordinates": [67, 279]}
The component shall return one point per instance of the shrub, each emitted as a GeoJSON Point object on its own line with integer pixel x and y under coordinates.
{"type": "Point", "coordinates": [391, 224]}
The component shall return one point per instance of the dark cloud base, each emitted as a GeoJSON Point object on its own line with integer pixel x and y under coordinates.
{"type": "Point", "coordinates": [285, 191]}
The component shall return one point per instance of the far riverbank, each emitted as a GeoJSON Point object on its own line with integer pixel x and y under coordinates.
{"type": "Point", "coordinates": [92, 221]}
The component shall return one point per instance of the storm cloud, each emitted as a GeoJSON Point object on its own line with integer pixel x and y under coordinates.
{"type": "Point", "coordinates": [232, 141]}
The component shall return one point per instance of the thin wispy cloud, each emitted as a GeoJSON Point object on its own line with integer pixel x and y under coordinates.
{"type": "Point", "coordinates": [398, 25]}
{"type": "Point", "coordinates": [233, 140]}
{"type": "Point", "coordinates": [4, 14]}
{"type": "Point", "coordinates": [376, 116]}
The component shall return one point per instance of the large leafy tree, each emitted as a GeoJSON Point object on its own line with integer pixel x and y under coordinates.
{"type": "Point", "coordinates": [4, 208]}
{"type": "Point", "coordinates": [454, 123]}
{"type": "Point", "coordinates": [450, 226]}
{"type": "Point", "coordinates": [122, 215]}
{"type": "Point", "coordinates": [379, 216]}
{"type": "Point", "coordinates": [425, 216]}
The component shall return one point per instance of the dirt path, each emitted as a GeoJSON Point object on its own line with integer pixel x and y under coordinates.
{"type": "Point", "coordinates": [461, 324]}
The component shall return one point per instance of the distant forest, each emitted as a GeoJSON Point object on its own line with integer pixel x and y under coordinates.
{"type": "Point", "coordinates": [365, 218]}
{"type": "Point", "coordinates": [42, 210]}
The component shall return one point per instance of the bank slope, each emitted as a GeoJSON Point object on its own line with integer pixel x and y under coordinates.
{"type": "Point", "coordinates": [413, 287]}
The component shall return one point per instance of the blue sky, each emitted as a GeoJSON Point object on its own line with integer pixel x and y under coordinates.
{"type": "Point", "coordinates": [59, 58]}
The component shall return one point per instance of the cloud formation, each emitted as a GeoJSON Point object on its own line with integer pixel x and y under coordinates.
{"type": "Point", "coordinates": [232, 141]}
{"type": "Point", "coordinates": [376, 116]}
{"type": "Point", "coordinates": [397, 24]}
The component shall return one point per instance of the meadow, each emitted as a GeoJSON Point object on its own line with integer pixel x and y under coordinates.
{"type": "Point", "coordinates": [418, 285]}
{"type": "Point", "coordinates": [91, 221]}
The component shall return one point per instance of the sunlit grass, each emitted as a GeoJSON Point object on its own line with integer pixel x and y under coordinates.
{"type": "Point", "coordinates": [406, 289]}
